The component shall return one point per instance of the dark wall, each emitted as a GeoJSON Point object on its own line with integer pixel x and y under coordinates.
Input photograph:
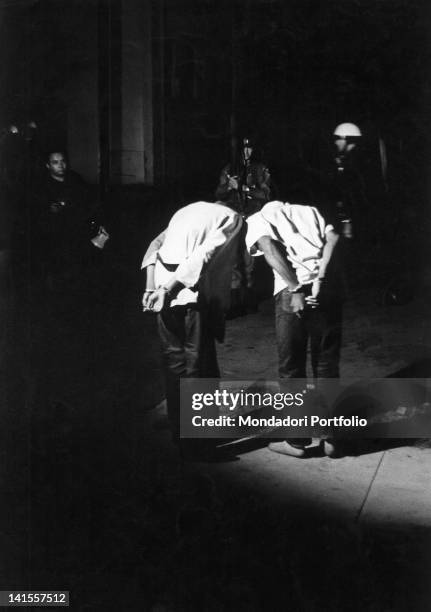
{"type": "Point", "coordinates": [51, 75]}
{"type": "Point", "coordinates": [286, 72]}
{"type": "Point", "coordinates": [289, 72]}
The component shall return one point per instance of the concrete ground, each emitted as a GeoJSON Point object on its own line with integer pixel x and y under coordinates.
{"type": "Point", "coordinates": [391, 485]}
{"type": "Point", "coordinates": [96, 498]}
{"type": "Point", "coordinates": [370, 510]}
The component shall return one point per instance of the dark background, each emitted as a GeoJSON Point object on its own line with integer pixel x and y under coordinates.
{"type": "Point", "coordinates": [147, 96]}
{"type": "Point", "coordinates": [286, 72]}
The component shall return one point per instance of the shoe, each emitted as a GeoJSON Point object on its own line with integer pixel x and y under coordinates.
{"type": "Point", "coordinates": [329, 448]}
{"type": "Point", "coordinates": [299, 442]}
{"type": "Point", "coordinates": [285, 448]}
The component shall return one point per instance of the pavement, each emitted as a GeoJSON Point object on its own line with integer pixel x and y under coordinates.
{"type": "Point", "coordinates": [96, 497]}
{"type": "Point", "coordinates": [392, 484]}
{"type": "Point", "coordinates": [378, 496]}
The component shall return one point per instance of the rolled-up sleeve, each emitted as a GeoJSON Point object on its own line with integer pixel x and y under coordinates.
{"type": "Point", "coordinates": [193, 267]}
{"type": "Point", "coordinates": [150, 256]}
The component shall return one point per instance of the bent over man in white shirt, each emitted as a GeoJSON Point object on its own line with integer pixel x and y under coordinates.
{"type": "Point", "coordinates": [189, 269]}
{"type": "Point", "coordinates": [299, 245]}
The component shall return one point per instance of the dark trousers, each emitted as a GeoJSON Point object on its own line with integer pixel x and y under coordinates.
{"type": "Point", "coordinates": [322, 326]}
{"type": "Point", "coordinates": [189, 351]}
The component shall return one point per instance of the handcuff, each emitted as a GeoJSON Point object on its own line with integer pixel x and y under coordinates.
{"type": "Point", "coordinates": [165, 289]}
{"type": "Point", "coordinates": [297, 289]}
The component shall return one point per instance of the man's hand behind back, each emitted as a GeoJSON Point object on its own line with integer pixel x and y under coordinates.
{"type": "Point", "coordinates": [155, 301]}
{"type": "Point", "coordinates": [313, 299]}
{"type": "Point", "coordinates": [297, 302]}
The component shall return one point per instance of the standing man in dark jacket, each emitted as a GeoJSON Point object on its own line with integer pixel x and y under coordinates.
{"type": "Point", "coordinates": [245, 184]}
{"type": "Point", "coordinates": [66, 229]}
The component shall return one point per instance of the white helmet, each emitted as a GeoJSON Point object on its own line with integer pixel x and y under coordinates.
{"type": "Point", "coordinates": [347, 129]}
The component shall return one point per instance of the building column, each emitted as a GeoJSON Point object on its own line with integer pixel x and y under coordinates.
{"type": "Point", "coordinates": [136, 155]}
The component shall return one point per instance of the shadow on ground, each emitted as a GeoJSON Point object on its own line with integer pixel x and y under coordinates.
{"type": "Point", "coordinates": [94, 504]}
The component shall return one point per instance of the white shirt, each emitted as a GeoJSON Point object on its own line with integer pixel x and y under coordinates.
{"type": "Point", "coordinates": [201, 240]}
{"type": "Point", "coordinates": [300, 229]}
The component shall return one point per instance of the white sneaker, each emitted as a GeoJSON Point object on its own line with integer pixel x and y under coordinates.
{"type": "Point", "coordinates": [329, 447]}
{"type": "Point", "coordinates": [284, 448]}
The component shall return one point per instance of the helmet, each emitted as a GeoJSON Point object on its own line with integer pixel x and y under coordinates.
{"type": "Point", "coordinates": [345, 130]}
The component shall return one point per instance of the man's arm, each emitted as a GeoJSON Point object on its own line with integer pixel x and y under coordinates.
{"type": "Point", "coordinates": [148, 264]}
{"type": "Point", "coordinates": [156, 299]}
{"type": "Point", "coordinates": [278, 261]}
{"type": "Point", "coordinates": [150, 256]}
{"type": "Point", "coordinates": [328, 250]}
{"type": "Point", "coordinates": [191, 269]}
